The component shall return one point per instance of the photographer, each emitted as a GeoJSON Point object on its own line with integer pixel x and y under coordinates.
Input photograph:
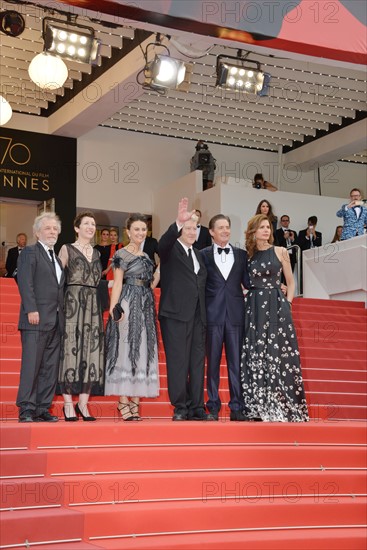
{"type": "Point", "coordinates": [203, 160]}
{"type": "Point", "coordinates": [286, 238]}
{"type": "Point", "coordinates": [260, 183]}
{"type": "Point", "coordinates": [354, 215]}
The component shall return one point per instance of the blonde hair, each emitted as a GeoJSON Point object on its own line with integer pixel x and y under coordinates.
{"type": "Point", "coordinates": [252, 226]}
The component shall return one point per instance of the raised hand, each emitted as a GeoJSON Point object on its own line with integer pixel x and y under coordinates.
{"type": "Point", "coordinates": [183, 215]}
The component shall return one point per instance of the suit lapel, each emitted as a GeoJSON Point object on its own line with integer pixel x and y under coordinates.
{"type": "Point", "coordinates": [48, 260]}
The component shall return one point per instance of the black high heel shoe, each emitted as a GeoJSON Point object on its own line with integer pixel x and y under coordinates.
{"type": "Point", "coordinates": [69, 418]}
{"type": "Point", "coordinates": [126, 416]}
{"type": "Point", "coordinates": [134, 409]}
{"type": "Point", "coordinates": [85, 418]}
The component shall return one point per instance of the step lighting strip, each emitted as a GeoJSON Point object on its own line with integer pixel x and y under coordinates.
{"type": "Point", "coordinates": [189, 470]}
{"type": "Point", "coordinates": [220, 498]}
{"type": "Point", "coordinates": [22, 476]}
{"type": "Point", "coordinates": [238, 530]}
{"type": "Point", "coordinates": [14, 449]}
{"type": "Point", "coordinates": [27, 543]}
{"type": "Point", "coordinates": [246, 444]}
{"type": "Point", "coordinates": [18, 508]}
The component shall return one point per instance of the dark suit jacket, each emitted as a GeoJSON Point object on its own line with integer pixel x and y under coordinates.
{"type": "Point", "coordinates": [204, 239]}
{"type": "Point", "coordinates": [181, 289]}
{"type": "Point", "coordinates": [305, 244]}
{"type": "Point", "coordinates": [279, 240]}
{"type": "Point", "coordinates": [11, 261]}
{"type": "Point", "coordinates": [151, 248]}
{"type": "Point", "coordinates": [39, 289]}
{"type": "Point", "coordinates": [224, 297]}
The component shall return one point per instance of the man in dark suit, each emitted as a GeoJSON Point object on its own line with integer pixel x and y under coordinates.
{"type": "Point", "coordinates": [182, 316]}
{"type": "Point", "coordinates": [308, 238]}
{"type": "Point", "coordinates": [227, 276]}
{"type": "Point", "coordinates": [150, 247]}
{"type": "Point", "coordinates": [286, 238]}
{"type": "Point", "coordinates": [13, 254]}
{"type": "Point", "coordinates": [41, 320]}
{"type": "Point", "coordinates": [203, 238]}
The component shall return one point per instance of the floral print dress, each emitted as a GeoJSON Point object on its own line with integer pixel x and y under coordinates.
{"type": "Point", "coordinates": [271, 374]}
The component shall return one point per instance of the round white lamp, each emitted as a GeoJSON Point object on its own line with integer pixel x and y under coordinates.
{"type": "Point", "coordinates": [48, 71]}
{"type": "Point", "coordinates": [5, 111]}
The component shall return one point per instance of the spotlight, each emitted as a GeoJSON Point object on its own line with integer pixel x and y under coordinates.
{"type": "Point", "coordinates": [70, 40]}
{"type": "Point", "coordinates": [164, 72]}
{"type": "Point", "coordinates": [237, 76]}
{"type": "Point", "coordinates": [12, 23]}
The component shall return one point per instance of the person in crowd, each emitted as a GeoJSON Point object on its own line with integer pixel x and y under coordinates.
{"type": "Point", "coordinates": [309, 237]}
{"type": "Point", "coordinates": [354, 215]}
{"type": "Point", "coordinates": [182, 315]}
{"type": "Point", "coordinates": [81, 370]}
{"type": "Point", "coordinates": [227, 276]}
{"type": "Point", "coordinates": [131, 336]}
{"type": "Point", "coordinates": [270, 369]}
{"type": "Point", "coordinates": [104, 249]}
{"type": "Point", "coordinates": [203, 238]}
{"type": "Point", "coordinates": [260, 183]}
{"type": "Point", "coordinates": [13, 255]}
{"type": "Point", "coordinates": [41, 287]}
{"type": "Point", "coordinates": [150, 247]}
{"type": "Point", "coordinates": [338, 234]}
{"type": "Point", "coordinates": [114, 246]}
{"type": "Point", "coordinates": [286, 238]}
{"type": "Point", "coordinates": [264, 207]}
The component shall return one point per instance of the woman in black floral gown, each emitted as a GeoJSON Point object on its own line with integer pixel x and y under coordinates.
{"type": "Point", "coordinates": [271, 375]}
{"type": "Point", "coordinates": [82, 353]}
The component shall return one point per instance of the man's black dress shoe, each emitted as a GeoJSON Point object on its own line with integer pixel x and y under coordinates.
{"type": "Point", "coordinates": [26, 416]}
{"type": "Point", "coordinates": [200, 414]}
{"type": "Point", "coordinates": [238, 416]}
{"type": "Point", "coordinates": [178, 417]}
{"type": "Point", "coordinates": [46, 417]}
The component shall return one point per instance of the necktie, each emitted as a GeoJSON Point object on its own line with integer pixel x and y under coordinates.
{"type": "Point", "coordinates": [51, 252]}
{"type": "Point", "coordinates": [191, 259]}
{"type": "Point", "coordinates": [225, 250]}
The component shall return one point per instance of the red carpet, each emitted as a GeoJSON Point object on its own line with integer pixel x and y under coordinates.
{"type": "Point", "coordinates": [156, 484]}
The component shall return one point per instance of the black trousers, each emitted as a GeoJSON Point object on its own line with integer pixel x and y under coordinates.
{"type": "Point", "coordinates": [184, 345]}
{"type": "Point", "coordinates": [39, 370]}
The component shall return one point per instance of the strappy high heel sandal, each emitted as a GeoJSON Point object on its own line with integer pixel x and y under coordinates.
{"type": "Point", "coordinates": [134, 409]}
{"type": "Point", "coordinates": [127, 416]}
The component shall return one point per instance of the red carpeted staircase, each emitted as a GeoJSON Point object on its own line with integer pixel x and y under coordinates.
{"type": "Point", "coordinates": [219, 485]}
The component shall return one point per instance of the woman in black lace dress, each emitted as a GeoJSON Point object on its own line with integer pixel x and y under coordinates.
{"type": "Point", "coordinates": [271, 375]}
{"type": "Point", "coordinates": [81, 367]}
{"type": "Point", "coordinates": [131, 342]}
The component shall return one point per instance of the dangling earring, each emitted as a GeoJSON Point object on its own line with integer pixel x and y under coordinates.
{"type": "Point", "coordinates": [254, 238]}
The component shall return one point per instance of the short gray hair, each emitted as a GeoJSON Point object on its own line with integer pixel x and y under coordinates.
{"type": "Point", "coordinates": [46, 216]}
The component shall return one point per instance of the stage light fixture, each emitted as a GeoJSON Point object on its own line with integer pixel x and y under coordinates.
{"type": "Point", "coordinates": [70, 40]}
{"type": "Point", "coordinates": [49, 72]}
{"type": "Point", "coordinates": [236, 74]}
{"type": "Point", "coordinates": [6, 111]}
{"type": "Point", "coordinates": [12, 23]}
{"type": "Point", "coordinates": [164, 72]}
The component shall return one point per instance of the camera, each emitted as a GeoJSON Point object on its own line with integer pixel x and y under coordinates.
{"type": "Point", "coordinates": [257, 185]}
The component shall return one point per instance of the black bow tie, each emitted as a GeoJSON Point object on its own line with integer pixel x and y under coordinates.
{"type": "Point", "coordinates": [225, 250]}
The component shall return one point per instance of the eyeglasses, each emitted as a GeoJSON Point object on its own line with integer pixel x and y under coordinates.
{"type": "Point", "coordinates": [284, 220]}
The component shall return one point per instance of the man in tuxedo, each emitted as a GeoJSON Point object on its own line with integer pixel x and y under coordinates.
{"type": "Point", "coordinates": [286, 238]}
{"type": "Point", "coordinates": [227, 276]}
{"type": "Point", "coordinates": [41, 320]}
{"type": "Point", "coordinates": [13, 254]}
{"type": "Point", "coordinates": [309, 237]}
{"type": "Point", "coordinates": [182, 315]}
{"type": "Point", "coordinates": [203, 238]}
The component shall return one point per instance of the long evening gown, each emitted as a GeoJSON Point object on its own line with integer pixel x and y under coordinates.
{"type": "Point", "coordinates": [271, 374]}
